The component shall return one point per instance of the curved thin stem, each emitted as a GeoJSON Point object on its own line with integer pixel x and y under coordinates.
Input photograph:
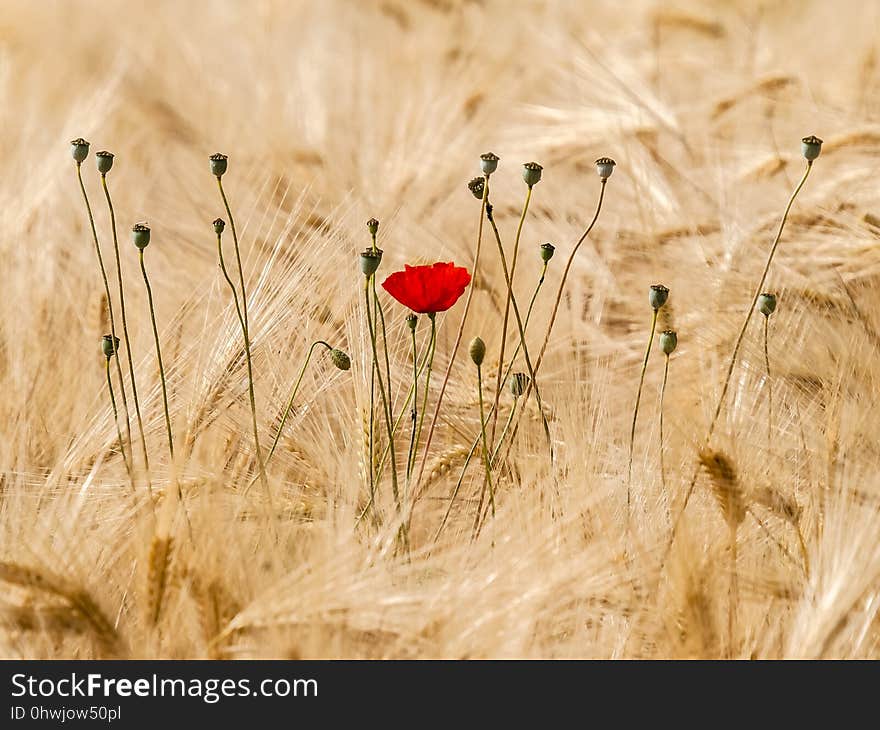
{"type": "Point", "coordinates": [513, 260]}
{"type": "Point", "coordinates": [522, 336]}
{"type": "Point", "coordinates": [662, 394]}
{"type": "Point", "coordinates": [82, 187]}
{"type": "Point", "coordinates": [125, 339]}
{"type": "Point", "coordinates": [116, 423]}
{"type": "Point", "coordinates": [632, 434]}
{"type": "Point", "coordinates": [769, 381]}
{"type": "Point", "coordinates": [158, 355]}
{"type": "Point", "coordinates": [504, 430]}
{"type": "Point", "coordinates": [457, 344]}
{"type": "Point", "coordinates": [247, 342]}
{"type": "Point", "coordinates": [386, 407]}
{"type": "Point", "coordinates": [429, 359]}
{"type": "Point", "coordinates": [487, 481]}
{"type": "Point", "coordinates": [733, 357]}
{"type": "Point", "coordinates": [413, 412]}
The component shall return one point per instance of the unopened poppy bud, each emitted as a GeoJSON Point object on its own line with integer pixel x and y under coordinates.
{"type": "Point", "coordinates": [219, 162]}
{"type": "Point", "coordinates": [547, 251]}
{"type": "Point", "coordinates": [477, 351]}
{"type": "Point", "coordinates": [811, 147]}
{"type": "Point", "coordinates": [373, 226]}
{"type": "Point", "coordinates": [104, 161]}
{"type": "Point", "coordinates": [370, 260]}
{"type": "Point", "coordinates": [658, 295]}
{"type": "Point", "coordinates": [477, 186]}
{"type": "Point", "coordinates": [604, 167]}
{"type": "Point", "coordinates": [219, 225]}
{"type": "Point", "coordinates": [411, 321]}
{"type": "Point", "coordinates": [79, 148]}
{"type": "Point", "coordinates": [109, 345]}
{"type": "Point", "coordinates": [340, 359]}
{"type": "Point", "coordinates": [767, 304]}
{"type": "Point", "coordinates": [518, 384]}
{"type": "Point", "coordinates": [489, 162]}
{"type": "Point", "coordinates": [140, 235]}
{"type": "Point", "coordinates": [668, 341]}
{"type": "Point", "coordinates": [532, 173]}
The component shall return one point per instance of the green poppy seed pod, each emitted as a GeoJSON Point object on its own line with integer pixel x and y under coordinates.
{"type": "Point", "coordinates": [658, 295]}
{"type": "Point", "coordinates": [477, 351]}
{"type": "Point", "coordinates": [411, 321]}
{"type": "Point", "coordinates": [604, 167]}
{"type": "Point", "coordinates": [79, 148]}
{"type": "Point", "coordinates": [489, 162]}
{"type": "Point", "coordinates": [340, 359]}
{"type": "Point", "coordinates": [219, 162]}
{"type": "Point", "coordinates": [140, 235]}
{"type": "Point", "coordinates": [811, 147]}
{"type": "Point", "coordinates": [373, 226]}
{"type": "Point", "coordinates": [518, 384]}
{"type": "Point", "coordinates": [547, 251]}
{"type": "Point", "coordinates": [109, 345]}
{"type": "Point", "coordinates": [104, 161]}
{"type": "Point", "coordinates": [532, 173]}
{"type": "Point", "coordinates": [370, 260]}
{"type": "Point", "coordinates": [477, 186]}
{"type": "Point", "coordinates": [767, 304]}
{"type": "Point", "coordinates": [219, 225]}
{"type": "Point", "coordinates": [668, 341]}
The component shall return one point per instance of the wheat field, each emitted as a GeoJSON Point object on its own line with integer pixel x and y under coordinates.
{"type": "Point", "coordinates": [333, 112]}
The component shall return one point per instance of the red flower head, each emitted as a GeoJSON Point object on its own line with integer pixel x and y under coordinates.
{"type": "Point", "coordinates": [428, 289]}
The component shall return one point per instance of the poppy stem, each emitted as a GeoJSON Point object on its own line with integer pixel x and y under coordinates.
{"type": "Point", "coordinates": [769, 381]}
{"type": "Point", "coordinates": [247, 348]}
{"type": "Point", "coordinates": [414, 410]}
{"type": "Point", "coordinates": [480, 509]}
{"type": "Point", "coordinates": [632, 433]}
{"type": "Point", "coordinates": [125, 339]}
{"type": "Point", "coordinates": [158, 355]}
{"type": "Point", "coordinates": [522, 335]}
{"type": "Point", "coordinates": [116, 423]}
{"type": "Point", "coordinates": [386, 409]}
{"type": "Point", "coordinates": [662, 443]}
{"type": "Point", "coordinates": [714, 422]}
{"type": "Point", "coordinates": [429, 359]}
{"type": "Point", "coordinates": [476, 442]}
{"type": "Point", "coordinates": [109, 298]}
{"type": "Point", "coordinates": [513, 260]}
{"type": "Point", "coordinates": [459, 334]}
{"type": "Point", "coordinates": [487, 479]}
{"type": "Point", "coordinates": [293, 393]}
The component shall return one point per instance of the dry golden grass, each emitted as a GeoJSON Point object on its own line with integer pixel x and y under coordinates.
{"type": "Point", "coordinates": [333, 112]}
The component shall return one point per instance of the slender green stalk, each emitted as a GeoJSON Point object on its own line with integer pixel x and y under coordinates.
{"type": "Point", "coordinates": [372, 434]}
{"type": "Point", "coordinates": [125, 339]}
{"type": "Point", "coordinates": [158, 355]}
{"type": "Point", "coordinates": [632, 434]}
{"type": "Point", "coordinates": [293, 393]}
{"type": "Point", "coordinates": [247, 342]}
{"type": "Point", "coordinates": [726, 385]}
{"type": "Point", "coordinates": [241, 320]}
{"type": "Point", "coordinates": [118, 430]}
{"type": "Point", "coordinates": [414, 411]}
{"type": "Point", "coordinates": [504, 430]}
{"type": "Point", "coordinates": [769, 382]}
{"type": "Point", "coordinates": [386, 407]}
{"type": "Point", "coordinates": [662, 394]}
{"type": "Point", "coordinates": [513, 260]}
{"type": "Point", "coordinates": [429, 359]}
{"type": "Point", "coordinates": [522, 335]}
{"type": "Point", "coordinates": [378, 307]}
{"type": "Point", "coordinates": [487, 480]}
{"type": "Point", "coordinates": [457, 344]}
{"type": "Point", "coordinates": [109, 298]}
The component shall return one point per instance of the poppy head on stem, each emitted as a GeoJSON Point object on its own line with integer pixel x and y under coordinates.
{"type": "Point", "coordinates": [668, 341]}
{"type": "Point", "coordinates": [109, 345]}
{"type": "Point", "coordinates": [340, 359]}
{"type": "Point", "coordinates": [604, 167]}
{"type": "Point", "coordinates": [104, 161]}
{"type": "Point", "coordinates": [428, 289]}
{"type": "Point", "coordinates": [477, 351]}
{"type": "Point", "coordinates": [477, 186]}
{"type": "Point", "coordinates": [219, 225]}
{"type": "Point", "coordinates": [79, 148]}
{"type": "Point", "coordinates": [658, 295]}
{"type": "Point", "coordinates": [767, 304]}
{"type": "Point", "coordinates": [547, 251]}
{"type": "Point", "coordinates": [373, 226]}
{"type": "Point", "coordinates": [532, 173]}
{"type": "Point", "coordinates": [219, 162]}
{"type": "Point", "coordinates": [518, 384]}
{"type": "Point", "coordinates": [811, 147]}
{"type": "Point", "coordinates": [489, 162]}
{"type": "Point", "coordinates": [370, 260]}
{"type": "Point", "coordinates": [140, 235]}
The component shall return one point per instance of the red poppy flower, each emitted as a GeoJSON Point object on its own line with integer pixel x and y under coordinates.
{"type": "Point", "coordinates": [428, 289]}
